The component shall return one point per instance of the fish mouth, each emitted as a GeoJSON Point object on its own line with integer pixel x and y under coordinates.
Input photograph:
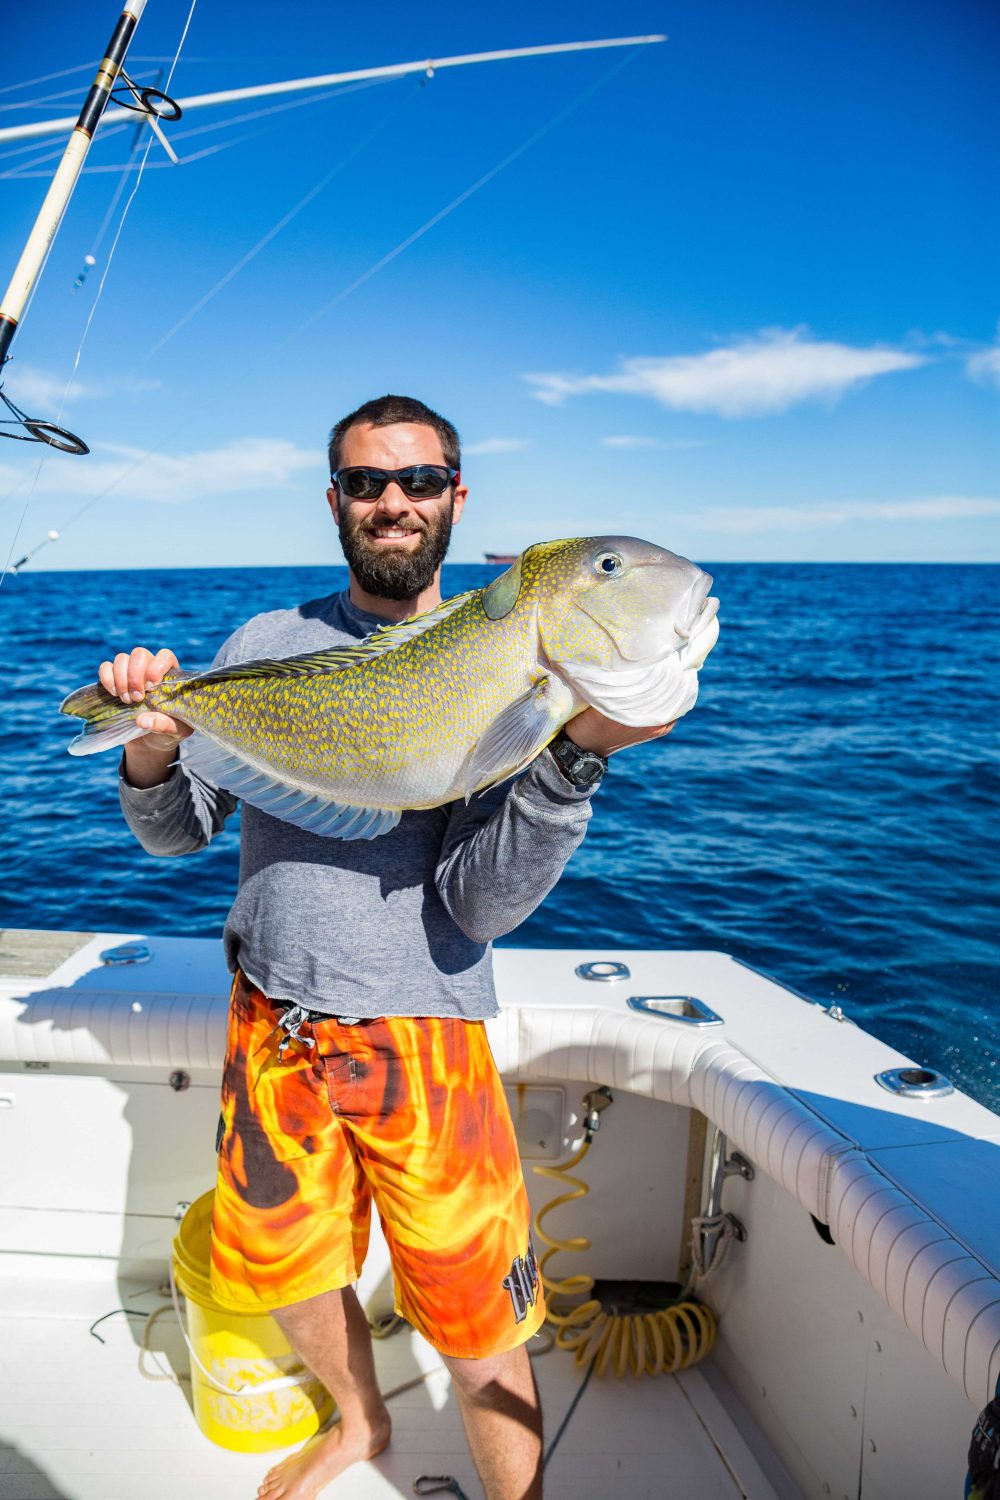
{"type": "Point", "coordinates": [701, 637]}
{"type": "Point", "coordinates": [697, 629]}
{"type": "Point", "coordinates": [697, 602]}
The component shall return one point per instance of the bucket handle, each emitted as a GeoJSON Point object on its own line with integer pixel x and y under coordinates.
{"type": "Point", "coordinates": [279, 1383]}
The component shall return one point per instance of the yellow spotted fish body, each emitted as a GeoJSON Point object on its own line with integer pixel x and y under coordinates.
{"type": "Point", "coordinates": [342, 741]}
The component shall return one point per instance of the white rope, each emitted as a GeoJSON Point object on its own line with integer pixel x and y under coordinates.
{"type": "Point", "coordinates": [702, 1270]}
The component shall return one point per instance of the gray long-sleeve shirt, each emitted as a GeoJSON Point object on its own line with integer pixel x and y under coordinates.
{"type": "Point", "coordinates": [400, 925]}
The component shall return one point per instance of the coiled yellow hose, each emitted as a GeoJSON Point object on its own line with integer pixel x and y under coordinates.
{"type": "Point", "coordinates": [654, 1343]}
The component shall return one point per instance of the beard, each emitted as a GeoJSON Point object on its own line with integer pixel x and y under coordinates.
{"type": "Point", "coordinates": [396, 572]}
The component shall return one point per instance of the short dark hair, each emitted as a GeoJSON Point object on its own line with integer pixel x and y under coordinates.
{"type": "Point", "coordinates": [386, 411]}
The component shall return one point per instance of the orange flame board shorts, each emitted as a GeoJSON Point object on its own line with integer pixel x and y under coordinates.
{"type": "Point", "coordinates": [407, 1110]}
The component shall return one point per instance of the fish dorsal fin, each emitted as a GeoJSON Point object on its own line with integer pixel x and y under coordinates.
{"type": "Point", "coordinates": [306, 809]}
{"type": "Point", "coordinates": [520, 733]}
{"type": "Point", "coordinates": [338, 658]}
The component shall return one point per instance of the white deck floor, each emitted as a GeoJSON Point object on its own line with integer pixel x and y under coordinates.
{"type": "Point", "coordinates": [79, 1422]}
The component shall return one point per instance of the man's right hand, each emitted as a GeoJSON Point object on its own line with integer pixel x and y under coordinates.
{"type": "Point", "coordinates": [147, 761]}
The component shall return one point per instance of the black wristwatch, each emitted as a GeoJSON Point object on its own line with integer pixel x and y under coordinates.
{"type": "Point", "coordinates": [580, 767]}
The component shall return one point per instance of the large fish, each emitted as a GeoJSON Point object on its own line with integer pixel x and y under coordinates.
{"type": "Point", "coordinates": [342, 741]}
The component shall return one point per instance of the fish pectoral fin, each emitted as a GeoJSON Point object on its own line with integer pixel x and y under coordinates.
{"type": "Point", "coordinates": [308, 810]}
{"type": "Point", "coordinates": [519, 734]}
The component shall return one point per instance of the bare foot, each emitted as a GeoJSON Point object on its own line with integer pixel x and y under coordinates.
{"type": "Point", "coordinates": [308, 1472]}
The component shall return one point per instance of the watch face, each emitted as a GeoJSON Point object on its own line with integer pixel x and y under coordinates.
{"type": "Point", "coordinates": [581, 767]}
{"type": "Point", "coordinates": [587, 769]}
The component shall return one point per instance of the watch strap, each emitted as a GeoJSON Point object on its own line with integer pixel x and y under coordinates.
{"type": "Point", "coordinates": [582, 768]}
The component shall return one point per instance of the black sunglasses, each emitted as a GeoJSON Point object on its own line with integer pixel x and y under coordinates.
{"type": "Point", "coordinates": [419, 481]}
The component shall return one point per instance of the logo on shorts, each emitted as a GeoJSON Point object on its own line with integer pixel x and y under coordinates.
{"type": "Point", "coordinates": [522, 1282]}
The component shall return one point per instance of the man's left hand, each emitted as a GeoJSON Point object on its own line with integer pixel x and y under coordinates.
{"type": "Point", "coordinates": [592, 730]}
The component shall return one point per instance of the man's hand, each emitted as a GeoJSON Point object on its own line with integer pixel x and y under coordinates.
{"type": "Point", "coordinates": [592, 730]}
{"type": "Point", "coordinates": [147, 761]}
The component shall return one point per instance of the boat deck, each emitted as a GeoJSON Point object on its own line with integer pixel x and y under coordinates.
{"type": "Point", "coordinates": [78, 1420]}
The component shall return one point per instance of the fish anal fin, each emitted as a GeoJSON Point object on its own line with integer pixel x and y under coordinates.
{"type": "Point", "coordinates": [297, 805]}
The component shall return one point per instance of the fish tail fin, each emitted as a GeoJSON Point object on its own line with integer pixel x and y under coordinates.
{"type": "Point", "coordinates": [107, 721]}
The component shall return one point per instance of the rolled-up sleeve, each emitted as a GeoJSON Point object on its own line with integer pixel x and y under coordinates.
{"type": "Point", "coordinates": [181, 815]}
{"type": "Point", "coordinates": [504, 850]}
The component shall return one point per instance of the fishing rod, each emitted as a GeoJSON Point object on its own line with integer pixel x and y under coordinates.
{"type": "Point", "coordinates": [110, 82]}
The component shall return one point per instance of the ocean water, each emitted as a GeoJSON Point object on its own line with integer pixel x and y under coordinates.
{"type": "Point", "coordinates": [829, 812]}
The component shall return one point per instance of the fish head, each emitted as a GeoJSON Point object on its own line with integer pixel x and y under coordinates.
{"type": "Point", "coordinates": [625, 622]}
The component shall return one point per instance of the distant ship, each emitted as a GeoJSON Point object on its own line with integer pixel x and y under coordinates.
{"type": "Point", "coordinates": [502, 559]}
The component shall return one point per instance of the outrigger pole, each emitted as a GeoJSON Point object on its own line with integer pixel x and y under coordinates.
{"type": "Point", "coordinates": [156, 106]}
{"type": "Point", "coordinates": [325, 80]}
{"type": "Point", "coordinates": [149, 102]}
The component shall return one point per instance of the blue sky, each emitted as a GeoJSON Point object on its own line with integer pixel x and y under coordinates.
{"type": "Point", "coordinates": [741, 299]}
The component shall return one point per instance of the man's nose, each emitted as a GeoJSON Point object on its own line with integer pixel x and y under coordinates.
{"type": "Point", "coordinates": [393, 501]}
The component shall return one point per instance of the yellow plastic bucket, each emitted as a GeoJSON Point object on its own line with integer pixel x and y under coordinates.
{"type": "Point", "coordinates": [249, 1388]}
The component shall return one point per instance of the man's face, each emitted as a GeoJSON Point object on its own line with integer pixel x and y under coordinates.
{"type": "Point", "coordinates": [394, 545]}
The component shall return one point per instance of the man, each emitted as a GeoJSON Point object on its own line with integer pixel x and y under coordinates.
{"type": "Point", "coordinates": [357, 1065]}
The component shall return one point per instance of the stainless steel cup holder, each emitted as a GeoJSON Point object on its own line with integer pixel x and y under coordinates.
{"type": "Point", "coordinates": [684, 1008]}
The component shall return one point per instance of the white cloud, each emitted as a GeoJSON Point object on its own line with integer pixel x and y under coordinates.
{"type": "Point", "coordinates": [767, 372]}
{"type": "Point", "coordinates": [984, 367]}
{"type": "Point", "coordinates": [248, 464]}
{"type": "Point", "coordinates": [627, 441]}
{"type": "Point", "coordinates": [495, 445]}
{"type": "Point", "coordinates": [41, 394]}
{"type": "Point", "coordinates": [745, 521]}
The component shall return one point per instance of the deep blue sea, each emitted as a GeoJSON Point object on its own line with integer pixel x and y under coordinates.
{"type": "Point", "coordinates": [828, 813]}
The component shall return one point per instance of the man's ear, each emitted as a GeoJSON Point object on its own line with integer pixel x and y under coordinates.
{"type": "Point", "coordinates": [333, 502]}
{"type": "Point", "coordinates": [458, 503]}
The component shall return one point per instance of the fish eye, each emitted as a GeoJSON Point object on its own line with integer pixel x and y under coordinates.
{"type": "Point", "coordinates": [608, 563]}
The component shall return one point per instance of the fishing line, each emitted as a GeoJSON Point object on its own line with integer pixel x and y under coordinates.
{"type": "Point", "coordinates": [97, 298]}
{"type": "Point", "coordinates": [463, 197]}
{"type": "Point", "coordinates": [91, 257]}
{"type": "Point", "coordinates": [26, 168]}
{"type": "Point", "coordinates": [110, 129]}
{"type": "Point", "coordinates": [29, 83]}
{"type": "Point", "coordinates": [73, 93]}
{"type": "Point", "coordinates": [275, 109]}
{"type": "Point", "coordinates": [42, 100]}
{"type": "Point", "coordinates": [276, 229]}
{"type": "Point", "coordinates": [126, 167]}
